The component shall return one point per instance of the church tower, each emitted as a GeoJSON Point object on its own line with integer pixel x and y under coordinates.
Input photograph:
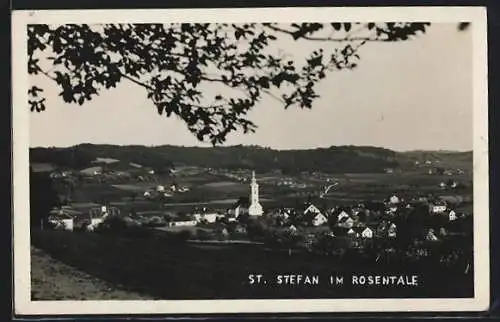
{"type": "Point", "coordinates": [255, 208]}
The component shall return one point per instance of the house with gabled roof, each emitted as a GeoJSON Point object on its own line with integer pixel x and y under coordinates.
{"type": "Point", "coordinates": [311, 209]}
{"type": "Point", "coordinates": [241, 206]}
{"type": "Point", "coordinates": [367, 232]}
{"type": "Point", "coordinates": [319, 219]}
{"type": "Point", "coordinates": [452, 215]}
{"type": "Point", "coordinates": [342, 216]}
{"type": "Point", "coordinates": [346, 222]}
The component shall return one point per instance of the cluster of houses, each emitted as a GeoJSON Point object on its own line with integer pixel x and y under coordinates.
{"type": "Point", "coordinates": [163, 191]}
{"type": "Point", "coordinates": [67, 218]}
{"type": "Point", "coordinates": [360, 221]}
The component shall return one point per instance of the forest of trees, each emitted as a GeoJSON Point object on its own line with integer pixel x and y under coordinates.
{"type": "Point", "coordinates": [354, 159]}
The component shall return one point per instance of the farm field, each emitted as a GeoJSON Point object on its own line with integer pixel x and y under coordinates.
{"type": "Point", "coordinates": [220, 192]}
{"type": "Point", "coordinates": [167, 270]}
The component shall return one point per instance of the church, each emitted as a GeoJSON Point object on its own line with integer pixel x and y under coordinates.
{"type": "Point", "coordinates": [251, 205]}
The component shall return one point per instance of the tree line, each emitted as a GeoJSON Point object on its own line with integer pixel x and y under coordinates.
{"type": "Point", "coordinates": [332, 160]}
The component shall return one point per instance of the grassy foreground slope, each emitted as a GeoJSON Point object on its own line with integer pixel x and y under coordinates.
{"type": "Point", "coordinates": [53, 280]}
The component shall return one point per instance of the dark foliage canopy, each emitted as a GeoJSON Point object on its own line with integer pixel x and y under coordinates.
{"type": "Point", "coordinates": [175, 63]}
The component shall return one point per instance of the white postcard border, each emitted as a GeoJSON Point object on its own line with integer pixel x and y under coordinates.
{"type": "Point", "coordinates": [21, 236]}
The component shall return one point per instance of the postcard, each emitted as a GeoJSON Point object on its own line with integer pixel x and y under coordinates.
{"type": "Point", "coordinates": [265, 160]}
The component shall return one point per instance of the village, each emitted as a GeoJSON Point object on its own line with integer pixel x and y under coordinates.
{"type": "Point", "coordinates": [306, 225]}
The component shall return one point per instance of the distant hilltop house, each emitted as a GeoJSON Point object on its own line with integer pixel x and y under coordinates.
{"type": "Point", "coordinates": [135, 165]}
{"type": "Point", "coordinates": [105, 160]}
{"type": "Point", "coordinates": [92, 171]}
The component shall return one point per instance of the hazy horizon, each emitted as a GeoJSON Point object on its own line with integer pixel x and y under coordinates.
{"type": "Point", "coordinates": [404, 96]}
{"type": "Point", "coordinates": [248, 145]}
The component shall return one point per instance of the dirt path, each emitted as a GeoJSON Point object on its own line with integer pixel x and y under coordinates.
{"type": "Point", "coordinates": [54, 280]}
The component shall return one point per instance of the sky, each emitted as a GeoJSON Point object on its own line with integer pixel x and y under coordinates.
{"type": "Point", "coordinates": [413, 95]}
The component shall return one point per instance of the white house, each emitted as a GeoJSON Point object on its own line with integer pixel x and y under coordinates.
{"type": "Point", "coordinates": [147, 194]}
{"type": "Point", "coordinates": [351, 232]}
{"type": "Point", "coordinates": [431, 236]}
{"type": "Point", "coordinates": [98, 215]}
{"type": "Point", "coordinates": [391, 231]}
{"type": "Point", "coordinates": [342, 216]}
{"type": "Point", "coordinates": [94, 223]}
{"type": "Point", "coordinates": [367, 233]}
{"type": "Point", "coordinates": [160, 188]}
{"type": "Point", "coordinates": [285, 213]}
{"type": "Point", "coordinates": [62, 221]}
{"type": "Point", "coordinates": [346, 222]}
{"type": "Point", "coordinates": [394, 199]}
{"type": "Point", "coordinates": [208, 217]}
{"type": "Point", "coordinates": [311, 209]}
{"type": "Point", "coordinates": [438, 207]}
{"type": "Point", "coordinates": [452, 215]}
{"type": "Point", "coordinates": [319, 219]}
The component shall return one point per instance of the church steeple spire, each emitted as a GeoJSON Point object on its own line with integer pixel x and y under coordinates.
{"type": "Point", "coordinates": [255, 208]}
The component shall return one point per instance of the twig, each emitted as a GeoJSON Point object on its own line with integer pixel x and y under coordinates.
{"type": "Point", "coordinates": [342, 39]}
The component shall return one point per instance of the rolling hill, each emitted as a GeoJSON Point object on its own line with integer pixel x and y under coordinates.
{"type": "Point", "coordinates": [335, 159]}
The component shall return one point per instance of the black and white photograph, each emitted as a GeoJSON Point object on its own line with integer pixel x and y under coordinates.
{"type": "Point", "coordinates": [250, 160]}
